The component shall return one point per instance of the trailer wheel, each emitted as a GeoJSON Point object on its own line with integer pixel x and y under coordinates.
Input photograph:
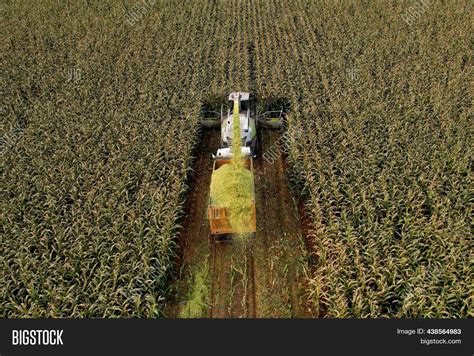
{"type": "Point", "coordinates": [224, 238]}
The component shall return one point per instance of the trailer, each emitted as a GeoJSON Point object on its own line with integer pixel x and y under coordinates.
{"type": "Point", "coordinates": [219, 215]}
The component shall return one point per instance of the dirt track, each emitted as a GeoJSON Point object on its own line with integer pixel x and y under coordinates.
{"type": "Point", "coordinates": [260, 276]}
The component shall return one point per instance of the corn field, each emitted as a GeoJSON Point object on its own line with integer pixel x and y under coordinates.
{"type": "Point", "coordinates": [100, 120]}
